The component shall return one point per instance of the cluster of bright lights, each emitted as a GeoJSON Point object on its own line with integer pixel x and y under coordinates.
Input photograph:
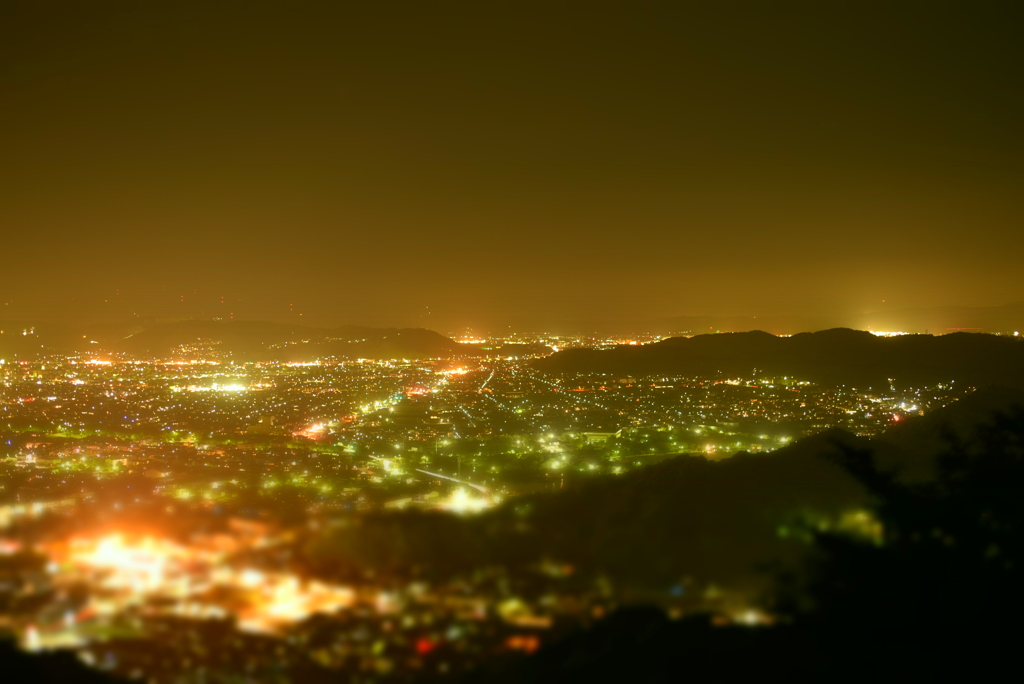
{"type": "Point", "coordinates": [461, 502]}
{"type": "Point", "coordinates": [217, 387]}
{"type": "Point", "coordinates": [313, 431]}
{"type": "Point", "coordinates": [133, 570]}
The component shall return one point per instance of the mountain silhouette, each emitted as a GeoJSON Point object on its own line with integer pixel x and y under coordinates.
{"type": "Point", "coordinates": [257, 340]}
{"type": "Point", "coordinates": [833, 357]}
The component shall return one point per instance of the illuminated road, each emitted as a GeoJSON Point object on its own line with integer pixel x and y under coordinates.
{"type": "Point", "coordinates": [483, 490]}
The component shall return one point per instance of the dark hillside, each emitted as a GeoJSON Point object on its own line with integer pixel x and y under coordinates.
{"type": "Point", "coordinates": [830, 357]}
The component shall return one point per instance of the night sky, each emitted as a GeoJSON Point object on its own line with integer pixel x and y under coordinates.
{"type": "Point", "coordinates": [490, 164]}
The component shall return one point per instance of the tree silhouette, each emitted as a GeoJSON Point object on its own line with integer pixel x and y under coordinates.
{"type": "Point", "coordinates": [939, 595]}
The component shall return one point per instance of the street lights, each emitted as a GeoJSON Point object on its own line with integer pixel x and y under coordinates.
{"type": "Point", "coordinates": [457, 456]}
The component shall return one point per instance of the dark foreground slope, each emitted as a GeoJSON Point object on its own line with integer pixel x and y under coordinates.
{"type": "Point", "coordinates": [830, 357]}
{"type": "Point", "coordinates": [915, 445]}
{"type": "Point", "coordinates": [935, 597]}
{"type": "Point", "coordinates": [54, 666]}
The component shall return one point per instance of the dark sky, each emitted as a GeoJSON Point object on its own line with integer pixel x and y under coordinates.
{"type": "Point", "coordinates": [508, 163]}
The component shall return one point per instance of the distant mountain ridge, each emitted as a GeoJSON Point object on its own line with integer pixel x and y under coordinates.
{"type": "Point", "coordinates": [935, 320]}
{"type": "Point", "coordinates": [265, 341]}
{"type": "Point", "coordinates": [242, 340]}
{"type": "Point", "coordinates": [830, 357]}
{"type": "Point", "coordinates": [250, 340]}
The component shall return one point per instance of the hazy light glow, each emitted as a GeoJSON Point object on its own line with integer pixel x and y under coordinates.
{"type": "Point", "coordinates": [133, 569]}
